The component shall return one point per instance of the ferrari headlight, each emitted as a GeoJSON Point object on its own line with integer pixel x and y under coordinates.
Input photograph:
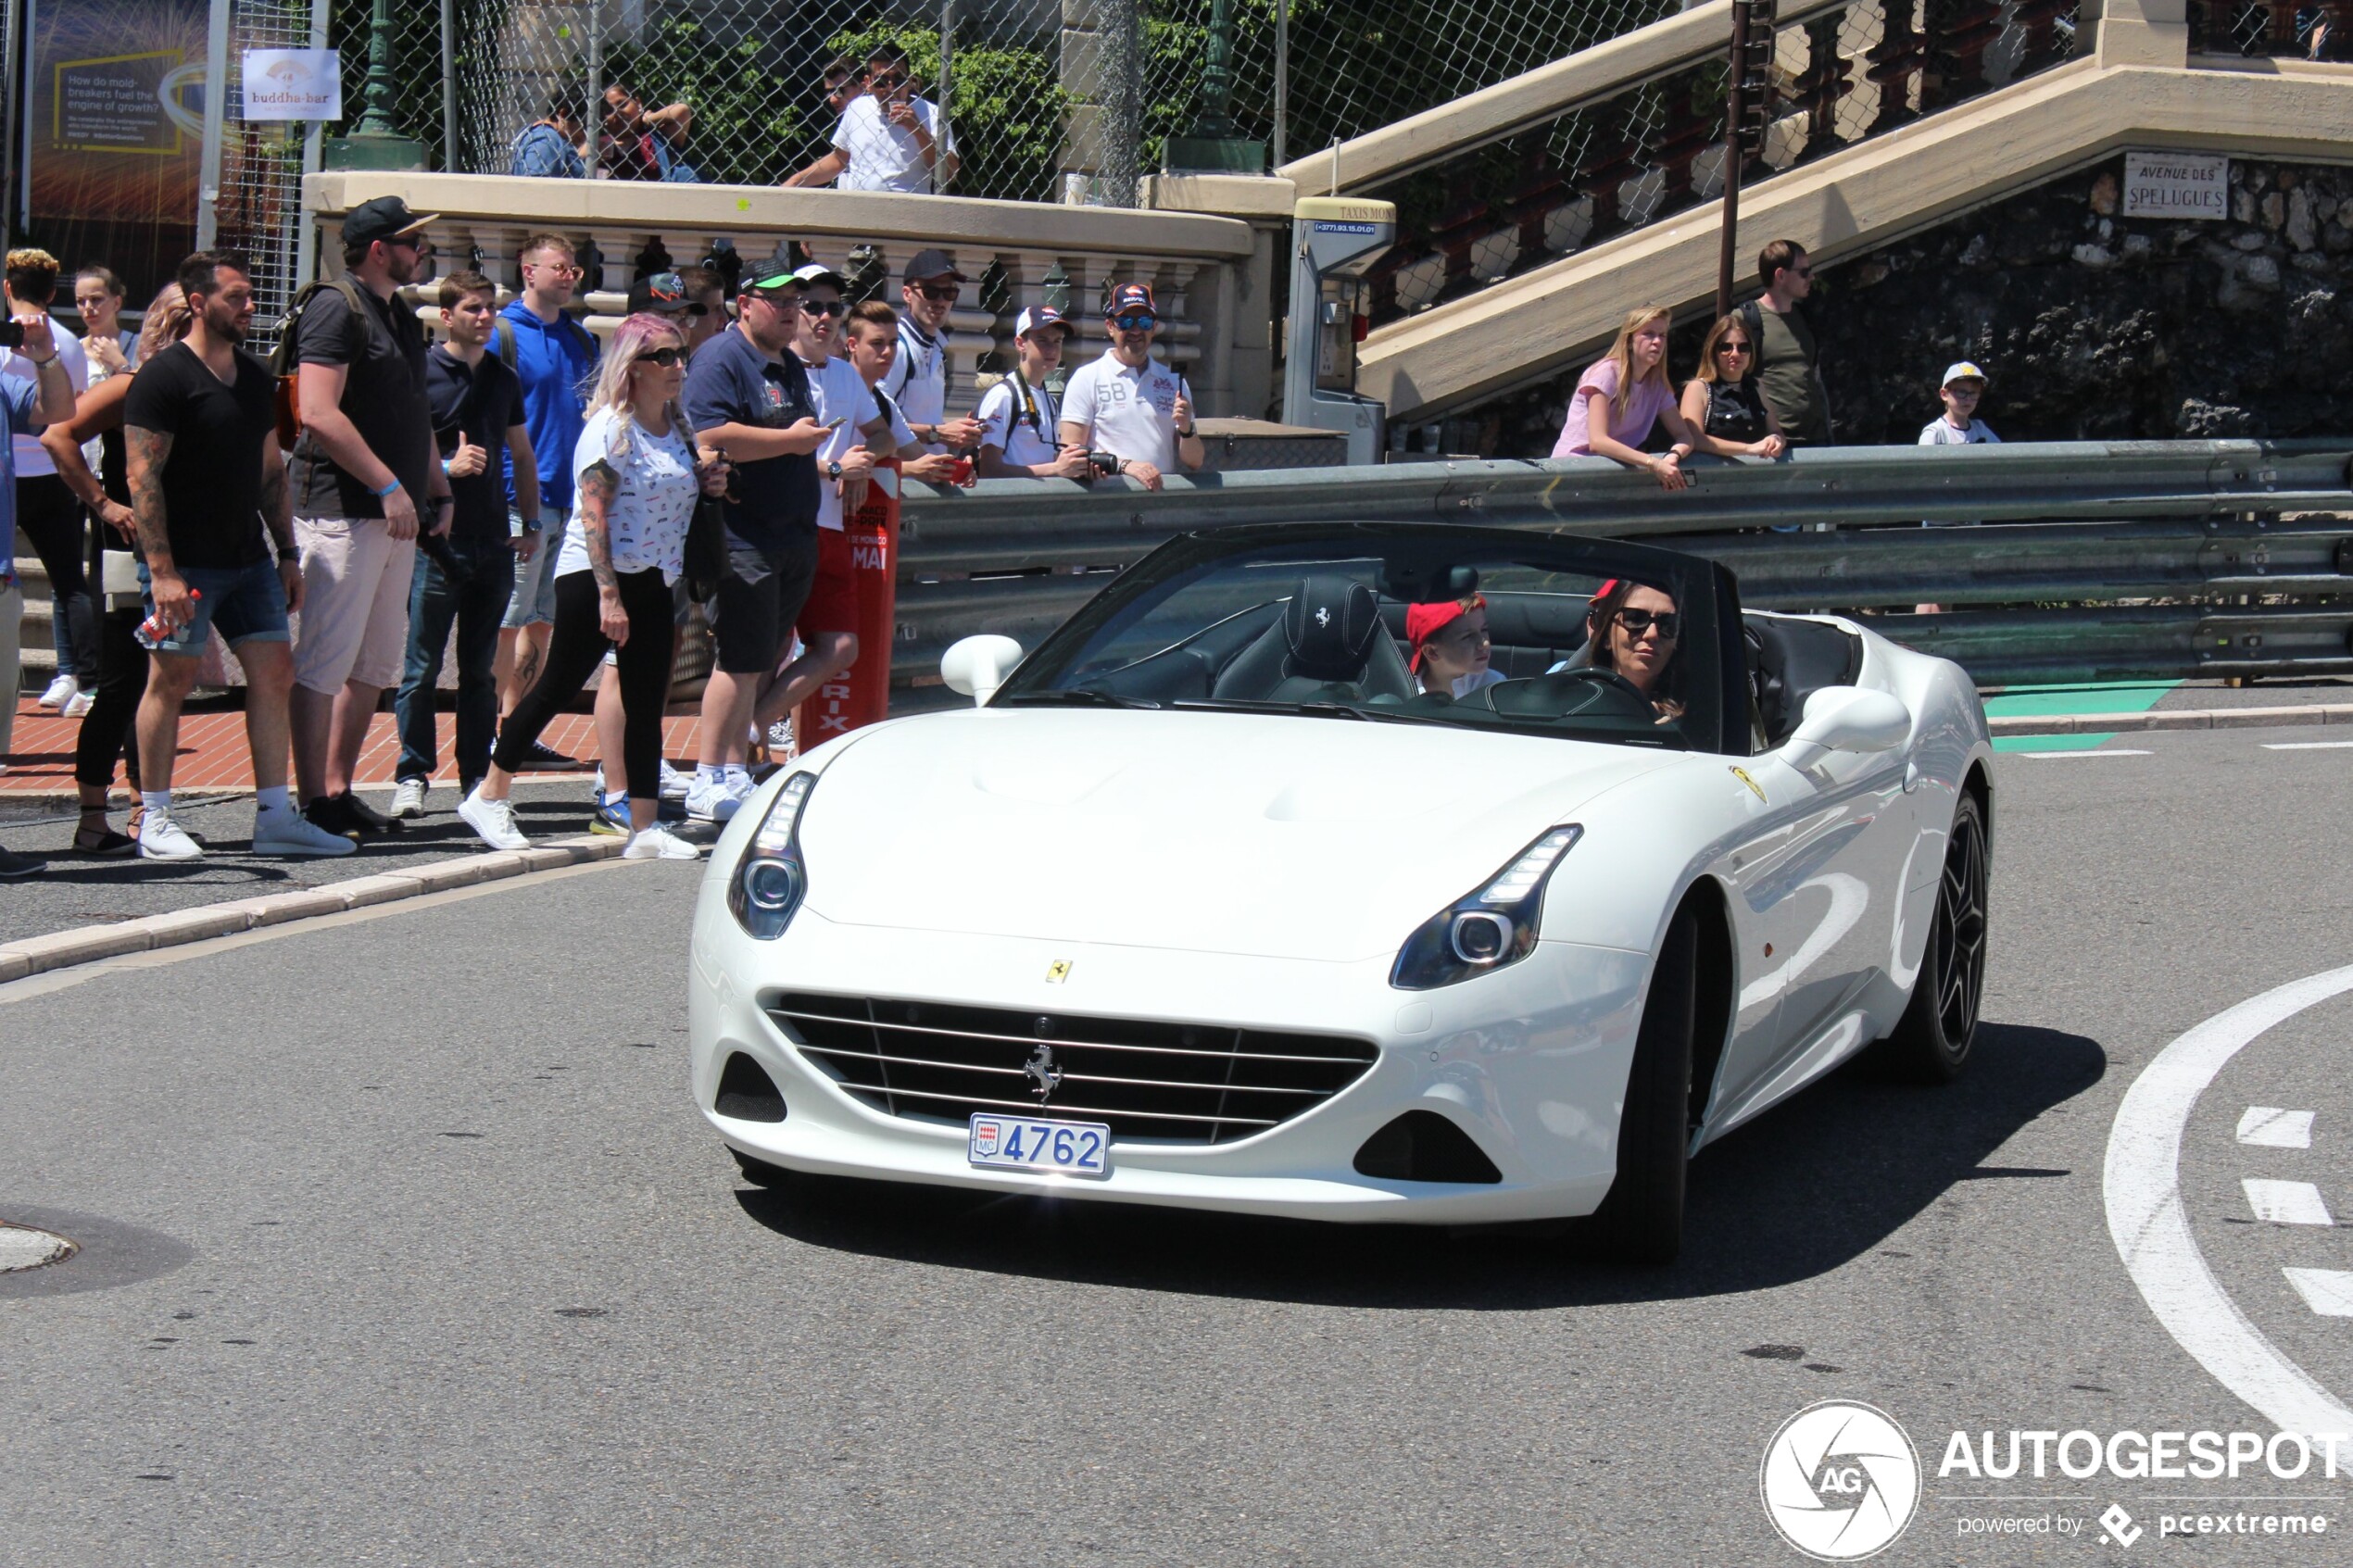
{"type": "Point", "coordinates": [771, 878]}
{"type": "Point", "coordinates": [1487, 928]}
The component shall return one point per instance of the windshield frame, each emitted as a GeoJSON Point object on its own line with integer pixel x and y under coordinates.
{"type": "Point", "coordinates": [1200, 551]}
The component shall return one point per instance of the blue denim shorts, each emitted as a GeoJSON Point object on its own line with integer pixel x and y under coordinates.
{"type": "Point", "coordinates": [248, 603]}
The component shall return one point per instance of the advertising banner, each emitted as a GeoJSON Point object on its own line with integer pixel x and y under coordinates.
{"type": "Point", "coordinates": [114, 122]}
{"type": "Point", "coordinates": [292, 84]}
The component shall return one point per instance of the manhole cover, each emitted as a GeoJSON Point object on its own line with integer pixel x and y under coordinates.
{"type": "Point", "coordinates": [22, 1248]}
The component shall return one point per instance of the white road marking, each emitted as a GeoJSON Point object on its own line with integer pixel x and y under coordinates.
{"type": "Point", "coordinates": [2070, 755]}
{"type": "Point", "coordinates": [2308, 745]}
{"type": "Point", "coordinates": [2286, 1203]}
{"type": "Point", "coordinates": [2327, 1291]}
{"type": "Point", "coordinates": [2142, 1187]}
{"type": "Point", "coordinates": [2267, 1126]}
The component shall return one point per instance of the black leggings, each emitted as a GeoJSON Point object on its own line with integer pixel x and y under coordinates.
{"type": "Point", "coordinates": [574, 648]}
{"type": "Point", "coordinates": [50, 515]}
{"type": "Point", "coordinates": [121, 682]}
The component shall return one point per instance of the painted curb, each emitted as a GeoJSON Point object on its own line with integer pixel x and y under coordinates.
{"type": "Point", "coordinates": [2184, 719]}
{"type": "Point", "coordinates": [88, 944]}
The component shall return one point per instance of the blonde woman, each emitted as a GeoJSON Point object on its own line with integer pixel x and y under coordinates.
{"type": "Point", "coordinates": [1724, 404]}
{"type": "Point", "coordinates": [635, 476]}
{"type": "Point", "coordinates": [1622, 397]}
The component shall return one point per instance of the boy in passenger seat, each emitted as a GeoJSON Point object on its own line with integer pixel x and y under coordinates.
{"type": "Point", "coordinates": [1451, 648]}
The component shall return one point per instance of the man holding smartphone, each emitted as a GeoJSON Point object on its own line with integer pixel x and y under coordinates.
{"type": "Point", "coordinates": [750, 396]}
{"type": "Point", "coordinates": [889, 138]}
{"type": "Point", "coordinates": [1128, 406]}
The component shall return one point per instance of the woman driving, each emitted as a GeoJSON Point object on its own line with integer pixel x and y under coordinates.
{"type": "Point", "coordinates": [1451, 648]}
{"type": "Point", "coordinates": [1634, 629]}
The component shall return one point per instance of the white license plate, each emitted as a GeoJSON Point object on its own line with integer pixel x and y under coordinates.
{"type": "Point", "coordinates": [1025, 1143]}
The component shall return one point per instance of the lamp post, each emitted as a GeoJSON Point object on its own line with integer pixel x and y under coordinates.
{"type": "Point", "coordinates": [1212, 145]}
{"type": "Point", "coordinates": [376, 142]}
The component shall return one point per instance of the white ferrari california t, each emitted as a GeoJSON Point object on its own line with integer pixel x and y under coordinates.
{"type": "Point", "coordinates": [1354, 871]}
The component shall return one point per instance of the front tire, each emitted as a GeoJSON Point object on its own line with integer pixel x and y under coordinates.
{"type": "Point", "coordinates": [1930, 1043]}
{"type": "Point", "coordinates": [1641, 1220]}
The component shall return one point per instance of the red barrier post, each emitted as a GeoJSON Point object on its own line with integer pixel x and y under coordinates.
{"type": "Point", "coordinates": [861, 695]}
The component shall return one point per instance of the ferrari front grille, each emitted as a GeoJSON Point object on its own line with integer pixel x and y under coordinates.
{"type": "Point", "coordinates": [1172, 1083]}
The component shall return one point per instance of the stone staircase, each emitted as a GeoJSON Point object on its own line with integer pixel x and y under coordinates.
{"type": "Point", "coordinates": [40, 648]}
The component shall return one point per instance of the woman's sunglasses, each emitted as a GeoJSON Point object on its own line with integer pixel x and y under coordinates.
{"type": "Point", "coordinates": [1731, 348]}
{"type": "Point", "coordinates": [666, 357]}
{"type": "Point", "coordinates": [1637, 621]}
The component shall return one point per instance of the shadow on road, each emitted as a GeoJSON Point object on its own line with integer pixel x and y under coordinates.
{"type": "Point", "coordinates": [1807, 1187]}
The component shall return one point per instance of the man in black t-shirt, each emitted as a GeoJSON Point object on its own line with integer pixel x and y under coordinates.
{"type": "Point", "coordinates": [200, 428]}
{"type": "Point", "coordinates": [477, 413]}
{"type": "Point", "coordinates": [364, 476]}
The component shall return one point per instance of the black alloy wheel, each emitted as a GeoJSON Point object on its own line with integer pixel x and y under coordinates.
{"type": "Point", "coordinates": [1641, 1219]}
{"type": "Point", "coordinates": [1931, 1042]}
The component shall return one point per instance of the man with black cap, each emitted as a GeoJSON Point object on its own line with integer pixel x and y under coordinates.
{"type": "Point", "coordinates": [1128, 404]}
{"type": "Point", "coordinates": [918, 381]}
{"type": "Point", "coordinates": [749, 396]}
{"type": "Point", "coordinates": [365, 478]}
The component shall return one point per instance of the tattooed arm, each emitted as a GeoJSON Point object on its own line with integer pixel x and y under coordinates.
{"type": "Point", "coordinates": [599, 485]}
{"type": "Point", "coordinates": [147, 449]}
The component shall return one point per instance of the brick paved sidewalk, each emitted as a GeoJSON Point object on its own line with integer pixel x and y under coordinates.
{"type": "Point", "coordinates": [213, 755]}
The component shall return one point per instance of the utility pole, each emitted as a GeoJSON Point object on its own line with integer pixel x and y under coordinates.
{"type": "Point", "coordinates": [1748, 107]}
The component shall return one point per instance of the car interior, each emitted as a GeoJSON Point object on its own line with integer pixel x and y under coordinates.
{"type": "Point", "coordinates": [1332, 639]}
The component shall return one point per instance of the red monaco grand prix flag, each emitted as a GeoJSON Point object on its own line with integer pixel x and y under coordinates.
{"type": "Point", "coordinates": [861, 695]}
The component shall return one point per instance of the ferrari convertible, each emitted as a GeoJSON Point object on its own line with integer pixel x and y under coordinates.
{"type": "Point", "coordinates": [1356, 872]}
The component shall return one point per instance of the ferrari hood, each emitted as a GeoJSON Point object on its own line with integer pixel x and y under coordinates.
{"type": "Point", "coordinates": [1258, 834]}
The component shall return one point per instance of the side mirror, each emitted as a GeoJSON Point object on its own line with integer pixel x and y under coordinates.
{"type": "Point", "coordinates": [1846, 719]}
{"type": "Point", "coordinates": [977, 666]}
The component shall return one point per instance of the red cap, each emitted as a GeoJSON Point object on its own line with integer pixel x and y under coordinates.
{"type": "Point", "coordinates": [1425, 621]}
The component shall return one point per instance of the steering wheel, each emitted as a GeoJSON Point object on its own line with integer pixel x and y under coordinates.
{"type": "Point", "coordinates": [1614, 695]}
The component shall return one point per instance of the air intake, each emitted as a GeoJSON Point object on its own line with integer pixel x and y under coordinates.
{"type": "Point", "coordinates": [1422, 1146]}
{"type": "Point", "coordinates": [746, 1093]}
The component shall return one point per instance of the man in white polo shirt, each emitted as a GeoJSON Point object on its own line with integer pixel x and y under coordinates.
{"type": "Point", "coordinates": [1128, 404]}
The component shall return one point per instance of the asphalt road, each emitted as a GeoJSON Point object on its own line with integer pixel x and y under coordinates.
{"type": "Point", "coordinates": [403, 1245]}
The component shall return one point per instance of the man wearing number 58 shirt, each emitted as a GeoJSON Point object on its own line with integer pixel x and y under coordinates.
{"type": "Point", "coordinates": [1128, 404]}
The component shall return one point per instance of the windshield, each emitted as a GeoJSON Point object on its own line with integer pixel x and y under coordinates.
{"type": "Point", "coordinates": [1459, 627]}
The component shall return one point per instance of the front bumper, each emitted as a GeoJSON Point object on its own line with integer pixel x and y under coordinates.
{"type": "Point", "coordinates": [1531, 1062]}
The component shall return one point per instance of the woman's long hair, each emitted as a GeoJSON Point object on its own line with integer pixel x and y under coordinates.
{"type": "Point", "coordinates": [1600, 619]}
{"type": "Point", "coordinates": [1621, 353]}
{"type": "Point", "coordinates": [634, 336]}
{"type": "Point", "coordinates": [1715, 336]}
{"type": "Point", "coordinates": [165, 323]}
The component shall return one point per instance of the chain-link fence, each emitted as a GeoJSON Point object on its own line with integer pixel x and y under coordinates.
{"type": "Point", "coordinates": [258, 207]}
{"type": "Point", "coordinates": [1032, 92]}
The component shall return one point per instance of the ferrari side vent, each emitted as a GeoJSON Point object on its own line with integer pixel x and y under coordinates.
{"type": "Point", "coordinates": [1422, 1146]}
{"type": "Point", "coordinates": [746, 1093]}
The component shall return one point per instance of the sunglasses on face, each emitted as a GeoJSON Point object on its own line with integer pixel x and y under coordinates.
{"type": "Point", "coordinates": [667, 358]}
{"type": "Point", "coordinates": [950, 294]}
{"type": "Point", "coordinates": [822, 307]}
{"type": "Point", "coordinates": [1138, 323]}
{"type": "Point", "coordinates": [561, 268]}
{"type": "Point", "coordinates": [1637, 621]}
{"type": "Point", "coordinates": [890, 83]}
{"type": "Point", "coordinates": [1731, 348]}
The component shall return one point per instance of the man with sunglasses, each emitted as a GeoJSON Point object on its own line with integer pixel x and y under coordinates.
{"type": "Point", "coordinates": [917, 382]}
{"type": "Point", "coordinates": [1787, 365]}
{"type": "Point", "coordinates": [888, 139]}
{"type": "Point", "coordinates": [749, 396]}
{"type": "Point", "coordinates": [1128, 404]}
{"type": "Point", "coordinates": [366, 477]}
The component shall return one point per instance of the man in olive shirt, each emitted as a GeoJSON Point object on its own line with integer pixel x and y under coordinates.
{"type": "Point", "coordinates": [1787, 368]}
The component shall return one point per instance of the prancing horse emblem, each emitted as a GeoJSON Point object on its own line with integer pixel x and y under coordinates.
{"type": "Point", "coordinates": [1044, 1076]}
{"type": "Point", "coordinates": [1323, 615]}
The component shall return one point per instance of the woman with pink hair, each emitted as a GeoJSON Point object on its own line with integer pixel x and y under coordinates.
{"type": "Point", "coordinates": [636, 474]}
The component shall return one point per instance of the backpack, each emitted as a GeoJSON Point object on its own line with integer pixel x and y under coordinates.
{"type": "Point", "coordinates": [285, 369]}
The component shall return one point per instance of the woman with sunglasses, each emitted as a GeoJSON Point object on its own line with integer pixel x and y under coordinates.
{"type": "Point", "coordinates": [1623, 396]}
{"type": "Point", "coordinates": [1451, 648]}
{"type": "Point", "coordinates": [1724, 403]}
{"type": "Point", "coordinates": [635, 476]}
{"type": "Point", "coordinates": [1634, 629]}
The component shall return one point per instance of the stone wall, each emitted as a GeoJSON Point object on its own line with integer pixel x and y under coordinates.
{"type": "Point", "coordinates": [2090, 325]}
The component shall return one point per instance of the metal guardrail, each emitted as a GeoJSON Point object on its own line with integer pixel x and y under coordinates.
{"type": "Point", "coordinates": [2245, 546]}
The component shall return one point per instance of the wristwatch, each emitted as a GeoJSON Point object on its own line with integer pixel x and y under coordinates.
{"type": "Point", "coordinates": [833, 469]}
{"type": "Point", "coordinates": [531, 525]}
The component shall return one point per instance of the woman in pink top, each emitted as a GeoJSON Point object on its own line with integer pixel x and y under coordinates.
{"type": "Point", "coordinates": [1624, 393]}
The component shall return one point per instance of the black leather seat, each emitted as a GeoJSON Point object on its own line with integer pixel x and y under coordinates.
{"type": "Point", "coordinates": [1789, 661]}
{"type": "Point", "coordinates": [1328, 645]}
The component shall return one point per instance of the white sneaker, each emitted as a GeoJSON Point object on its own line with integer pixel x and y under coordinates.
{"type": "Point", "coordinates": [407, 799]}
{"type": "Point", "coordinates": [61, 691]}
{"type": "Point", "coordinates": [288, 832]}
{"type": "Point", "coordinates": [160, 838]}
{"type": "Point", "coordinates": [673, 783]}
{"type": "Point", "coordinates": [716, 800]}
{"type": "Point", "coordinates": [493, 820]}
{"type": "Point", "coordinates": [82, 702]}
{"type": "Point", "coordinates": [658, 844]}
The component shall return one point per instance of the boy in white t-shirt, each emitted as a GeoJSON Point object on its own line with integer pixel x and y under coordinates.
{"type": "Point", "coordinates": [1958, 425]}
{"type": "Point", "coordinates": [1019, 422]}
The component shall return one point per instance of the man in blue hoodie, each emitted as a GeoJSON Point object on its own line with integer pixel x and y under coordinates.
{"type": "Point", "coordinates": [557, 359]}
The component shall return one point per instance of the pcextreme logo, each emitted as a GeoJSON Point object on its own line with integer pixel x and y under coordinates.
{"type": "Point", "coordinates": [1839, 1481]}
